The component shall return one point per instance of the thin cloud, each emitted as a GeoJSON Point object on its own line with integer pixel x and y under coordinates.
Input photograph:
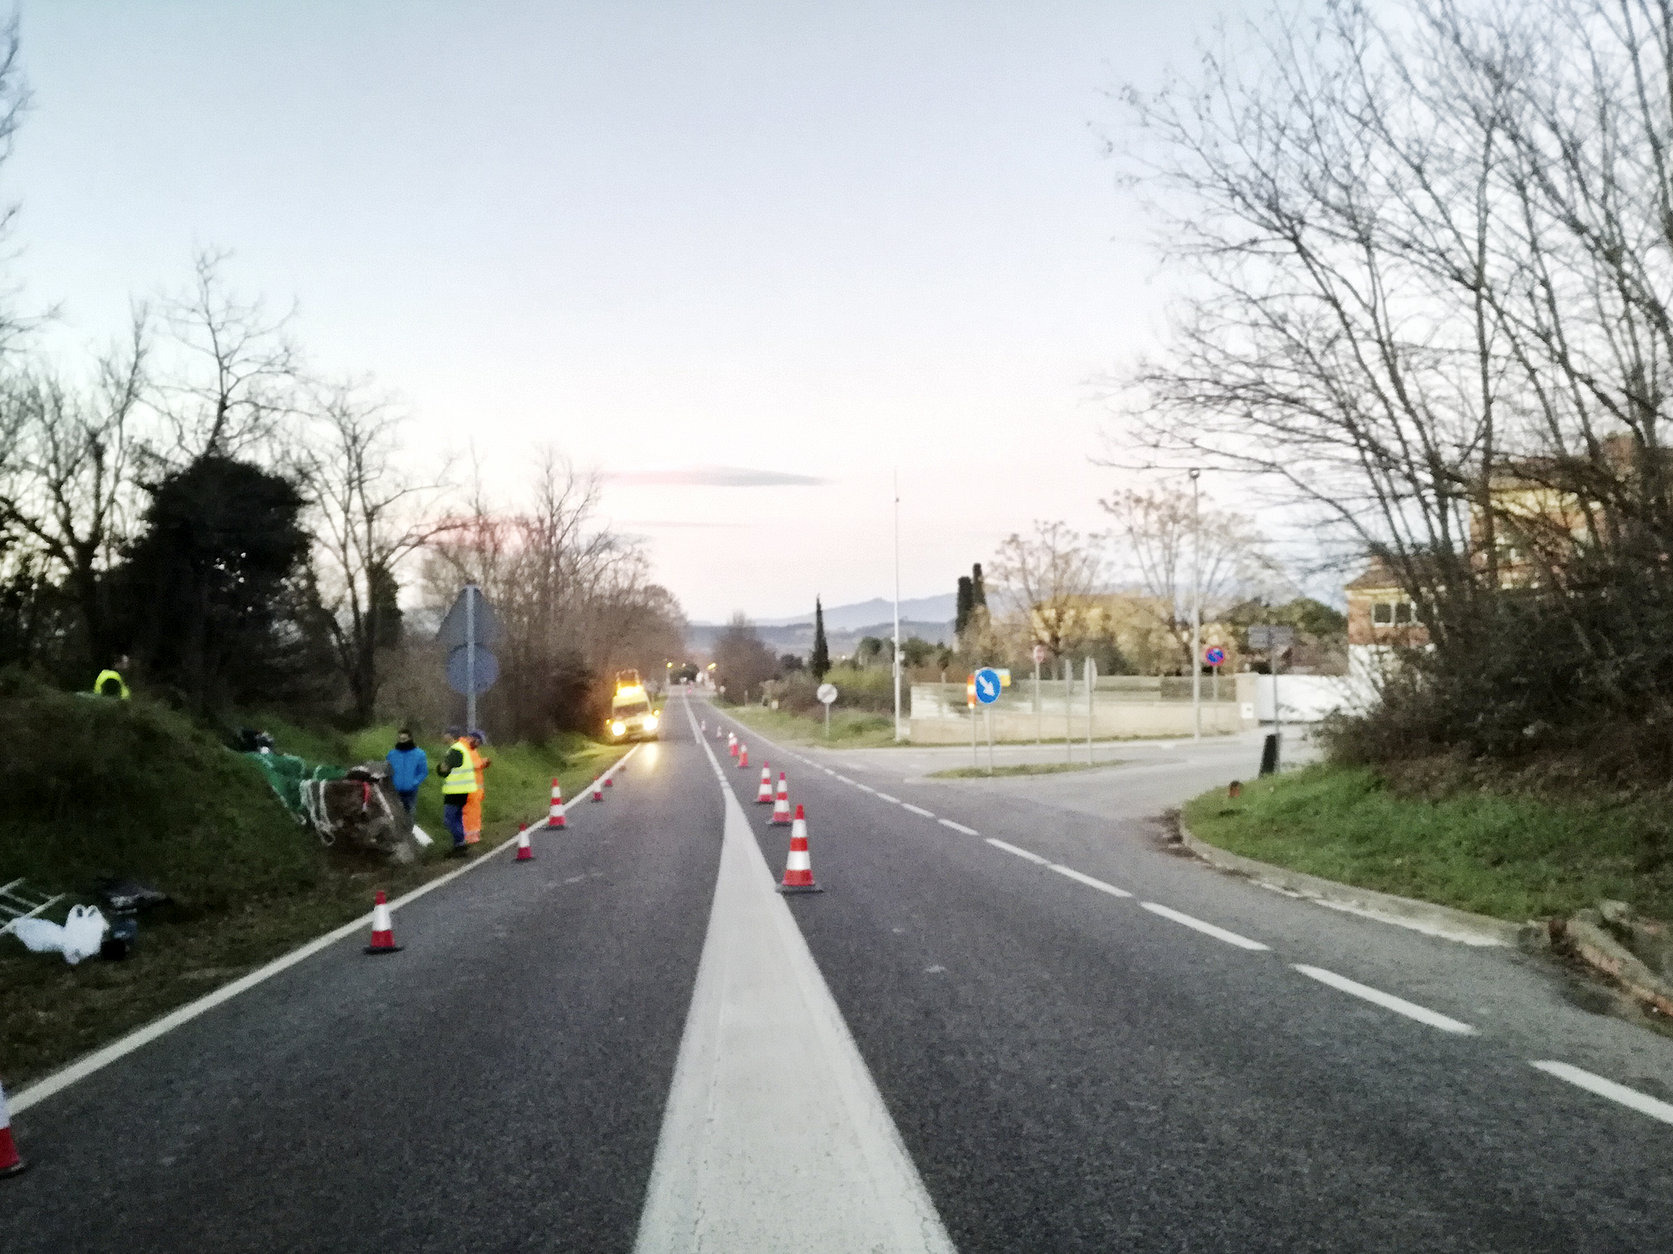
{"type": "Point", "coordinates": [670, 523]}
{"type": "Point", "coordinates": [713, 477]}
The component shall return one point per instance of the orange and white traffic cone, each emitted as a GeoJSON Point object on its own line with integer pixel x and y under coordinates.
{"type": "Point", "coordinates": [525, 851]}
{"type": "Point", "coordinates": [764, 794]}
{"type": "Point", "coordinates": [703, 725]}
{"type": "Point", "coordinates": [743, 755]}
{"type": "Point", "coordinates": [798, 868]}
{"type": "Point", "coordinates": [598, 793]}
{"type": "Point", "coordinates": [781, 804]}
{"type": "Point", "coordinates": [554, 815]}
{"type": "Point", "coordinates": [383, 931]}
{"type": "Point", "coordinates": [731, 744]}
{"type": "Point", "coordinates": [11, 1162]}
{"type": "Point", "coordinates": [609, 781]}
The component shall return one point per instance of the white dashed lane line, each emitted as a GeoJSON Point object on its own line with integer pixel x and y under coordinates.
{"type": "Point", "coordinates": [865, 788]}
{"type": "Point", "coordinates": [919, 810]}
{"type": "Point", "coordinates": [960, 827]}
{"type": "Point", "coordinates": [844, 779]}
{"type": "Point", "coordinates": [883, 796]}
{"type": "Point", "coordinates": [1082, 878]}
{"type": "Point", "coordinates": [1021, 853]}
{"type": "Point", "coordinates": [1608, 1088]}
{"type": "Point", "coordinates": [1207, 929]}
{"type": "Point", "coordinates": [1399, 1005]}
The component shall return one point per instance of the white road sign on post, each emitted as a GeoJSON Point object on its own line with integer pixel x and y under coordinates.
{"type": "Point", "coordinates": [827, 695]}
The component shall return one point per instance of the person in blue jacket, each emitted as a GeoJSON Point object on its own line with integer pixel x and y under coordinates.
{"type": "Point", "coordinates": [407, 768]}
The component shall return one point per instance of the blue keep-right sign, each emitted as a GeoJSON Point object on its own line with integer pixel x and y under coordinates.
{"type": "Point", "coordinates": [987, 685]}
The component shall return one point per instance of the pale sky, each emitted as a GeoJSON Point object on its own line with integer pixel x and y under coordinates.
{"type": "Point", "coordinates": [811, 241]}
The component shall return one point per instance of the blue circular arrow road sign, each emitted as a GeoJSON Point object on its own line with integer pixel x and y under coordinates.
{"type": "Point", "coordinates": [987, 685]}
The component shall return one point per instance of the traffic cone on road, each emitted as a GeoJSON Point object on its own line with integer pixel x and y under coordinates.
{"type": "Point", "coordinates": [11, 1162]}
{"type": "Point", "coordinates": [598, 793]}
{"type": "Point", "coordinates": [703, 725]}
{"type": "Point", "coordinates": [764, 794]}
{"type": "Point", "coordinates": [525, 851]}
{"type": "Point", "coordinates": [743, 755]}
{"type": "Point", "coordinates": [609, 781]}
{"type": "Point", "coordinates": [383, 931]}
{"type": "Point", "coordinates": [554, 816]}
{"type": "Point", "coordinates": [731, 744]}
{"type": "Point", "coordinates": [781, 804]}
{"type": "Point", "coordinates": [798, 868]}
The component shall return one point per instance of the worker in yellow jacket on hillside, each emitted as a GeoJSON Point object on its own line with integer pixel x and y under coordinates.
{"type": "Point", "coordinates": [110, 682]}
{"type": "Point", "coordinates": [474, 740]}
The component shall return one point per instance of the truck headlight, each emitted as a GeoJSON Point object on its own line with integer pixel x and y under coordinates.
{"type": "Point", "coordinates": [618, 728]}
{"type": "Point", "coordinates": [650, 722]}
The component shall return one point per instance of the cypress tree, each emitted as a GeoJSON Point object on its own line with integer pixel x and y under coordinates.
{"type": "Point", "coordinates": [819, 661]}
{"type": "Point", "coordinates": [978, 593]}
{"type": "Point", "coordinates": [966, 602]}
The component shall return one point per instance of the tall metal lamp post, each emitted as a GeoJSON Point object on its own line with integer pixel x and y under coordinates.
{"type": "Point", "coordinates": [900, 733]}
{"type": "Point", "coordinates": [1196, 606]}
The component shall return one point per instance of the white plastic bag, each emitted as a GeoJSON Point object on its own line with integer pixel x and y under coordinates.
{"type": "Point", "coordinates": [421, 836]}
{"type": "Point", "coordinates": [84, 930]}
{"type": "Point", "coordinates": [41, 935]}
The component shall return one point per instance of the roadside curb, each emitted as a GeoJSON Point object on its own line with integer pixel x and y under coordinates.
{"type": "Point", "coordinates": [1476, 929]}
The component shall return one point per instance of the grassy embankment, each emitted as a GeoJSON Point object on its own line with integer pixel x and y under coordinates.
{"type": "Point", "coordinates": [136, 790]}
{"type": "Point", "coordinates": [1514, 856]}
{"type": "Point", "coordinates": [1018, 768]}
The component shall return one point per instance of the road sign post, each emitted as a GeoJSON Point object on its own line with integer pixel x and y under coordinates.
{"type": "Point", "coordinates": [1091, 685]}
{"type": "Point", "coordinates": [1276, 641]}
{"type": "Point", "coordinates": [468, 631]}
{"type": "Point", "coordinates": [827, 695]}
{"type": "Point", "coordinates": [988, 684]}
{"type": "Point", "coordinates": [1039, 716]}
{"type": "Point", "coordinates": [1215, 657]}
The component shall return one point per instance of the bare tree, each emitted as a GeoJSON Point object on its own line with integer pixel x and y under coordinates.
{"type": "Point", "coordinates": [742, 662]}
{"type": "Point", "coordinates": [368, 523]}
{"type": "Point", "coordinates": [1045, 581]}
{"type": "Point", "coordinates": [1160, 533]}
{"type": "Point", "coordinates": [240, 376]}
{"type": "Point", "coordinates": [66, 475]}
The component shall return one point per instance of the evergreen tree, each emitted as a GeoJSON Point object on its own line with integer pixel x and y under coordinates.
{"type": "Point", "coordinates": [978, 593]}
{"type": "Point", "coordinates": [965, 604]}
{"type": "Point", "coordinates": [819, 661]}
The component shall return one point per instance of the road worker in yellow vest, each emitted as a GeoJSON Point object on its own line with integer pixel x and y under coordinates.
{"type": "Point", "coordinates": [472, 817]}
{"type": "Point", "coordinates": [110, 682]}
{"type": "Point", "coordinates": [458, 781]}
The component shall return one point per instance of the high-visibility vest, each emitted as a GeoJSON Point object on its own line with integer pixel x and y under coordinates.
{"type": "Point", "coordinates": [462, 778]}
{"type": "Point", "coordinates": [99, 683]}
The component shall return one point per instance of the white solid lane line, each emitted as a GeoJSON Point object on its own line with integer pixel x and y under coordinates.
{"type": "Point", "coordinates": [1608, 1088]}
{"type": "Point", "coordinates": [1399, 1005]}
{"type": "Point", "coordinates": [907, 805]}
{"type": "Point", "coordinates": [844, 779]}
{"type": "Point", "coordinates": [1102, 887]}
{"type": "Point", "coordinates": [764, 1030]}
{"type": "Point", "coordinates": [1021, 853]}
{"type": "Point", "coordinates": [883, 796]}
{"type": "Point", "coordinates": [960, 827]}
{"type": "Point", "coordinates": [1207, 929]}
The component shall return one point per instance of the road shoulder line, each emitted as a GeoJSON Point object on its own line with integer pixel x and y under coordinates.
{"type": "Point", "coordinates": [1388, 1001]}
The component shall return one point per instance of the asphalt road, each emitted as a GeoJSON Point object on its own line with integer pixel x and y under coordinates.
{"type": "Point", "coordinates": [1068, 1040]}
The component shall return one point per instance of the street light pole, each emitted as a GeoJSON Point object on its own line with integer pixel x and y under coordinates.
{"type": "Point", "coordinates": [1196, 607]}
{"type": "Point", "coordinates": [899, 733]}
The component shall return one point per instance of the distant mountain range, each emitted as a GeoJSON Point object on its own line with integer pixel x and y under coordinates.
{"type": "Point", "coordinates": [868, 614]}
{"type": "Point", "coordinates": [928, 618]}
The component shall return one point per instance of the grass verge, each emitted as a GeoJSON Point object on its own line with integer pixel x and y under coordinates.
{"type": "Point", "coordinates": [850, 729]}
{"type": "Point", "coordinates": [1018, 768]}
{"type": "Point", "coordinates": [1510, 856]}
{"type": "Point", "coordinates": [137, 791]}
